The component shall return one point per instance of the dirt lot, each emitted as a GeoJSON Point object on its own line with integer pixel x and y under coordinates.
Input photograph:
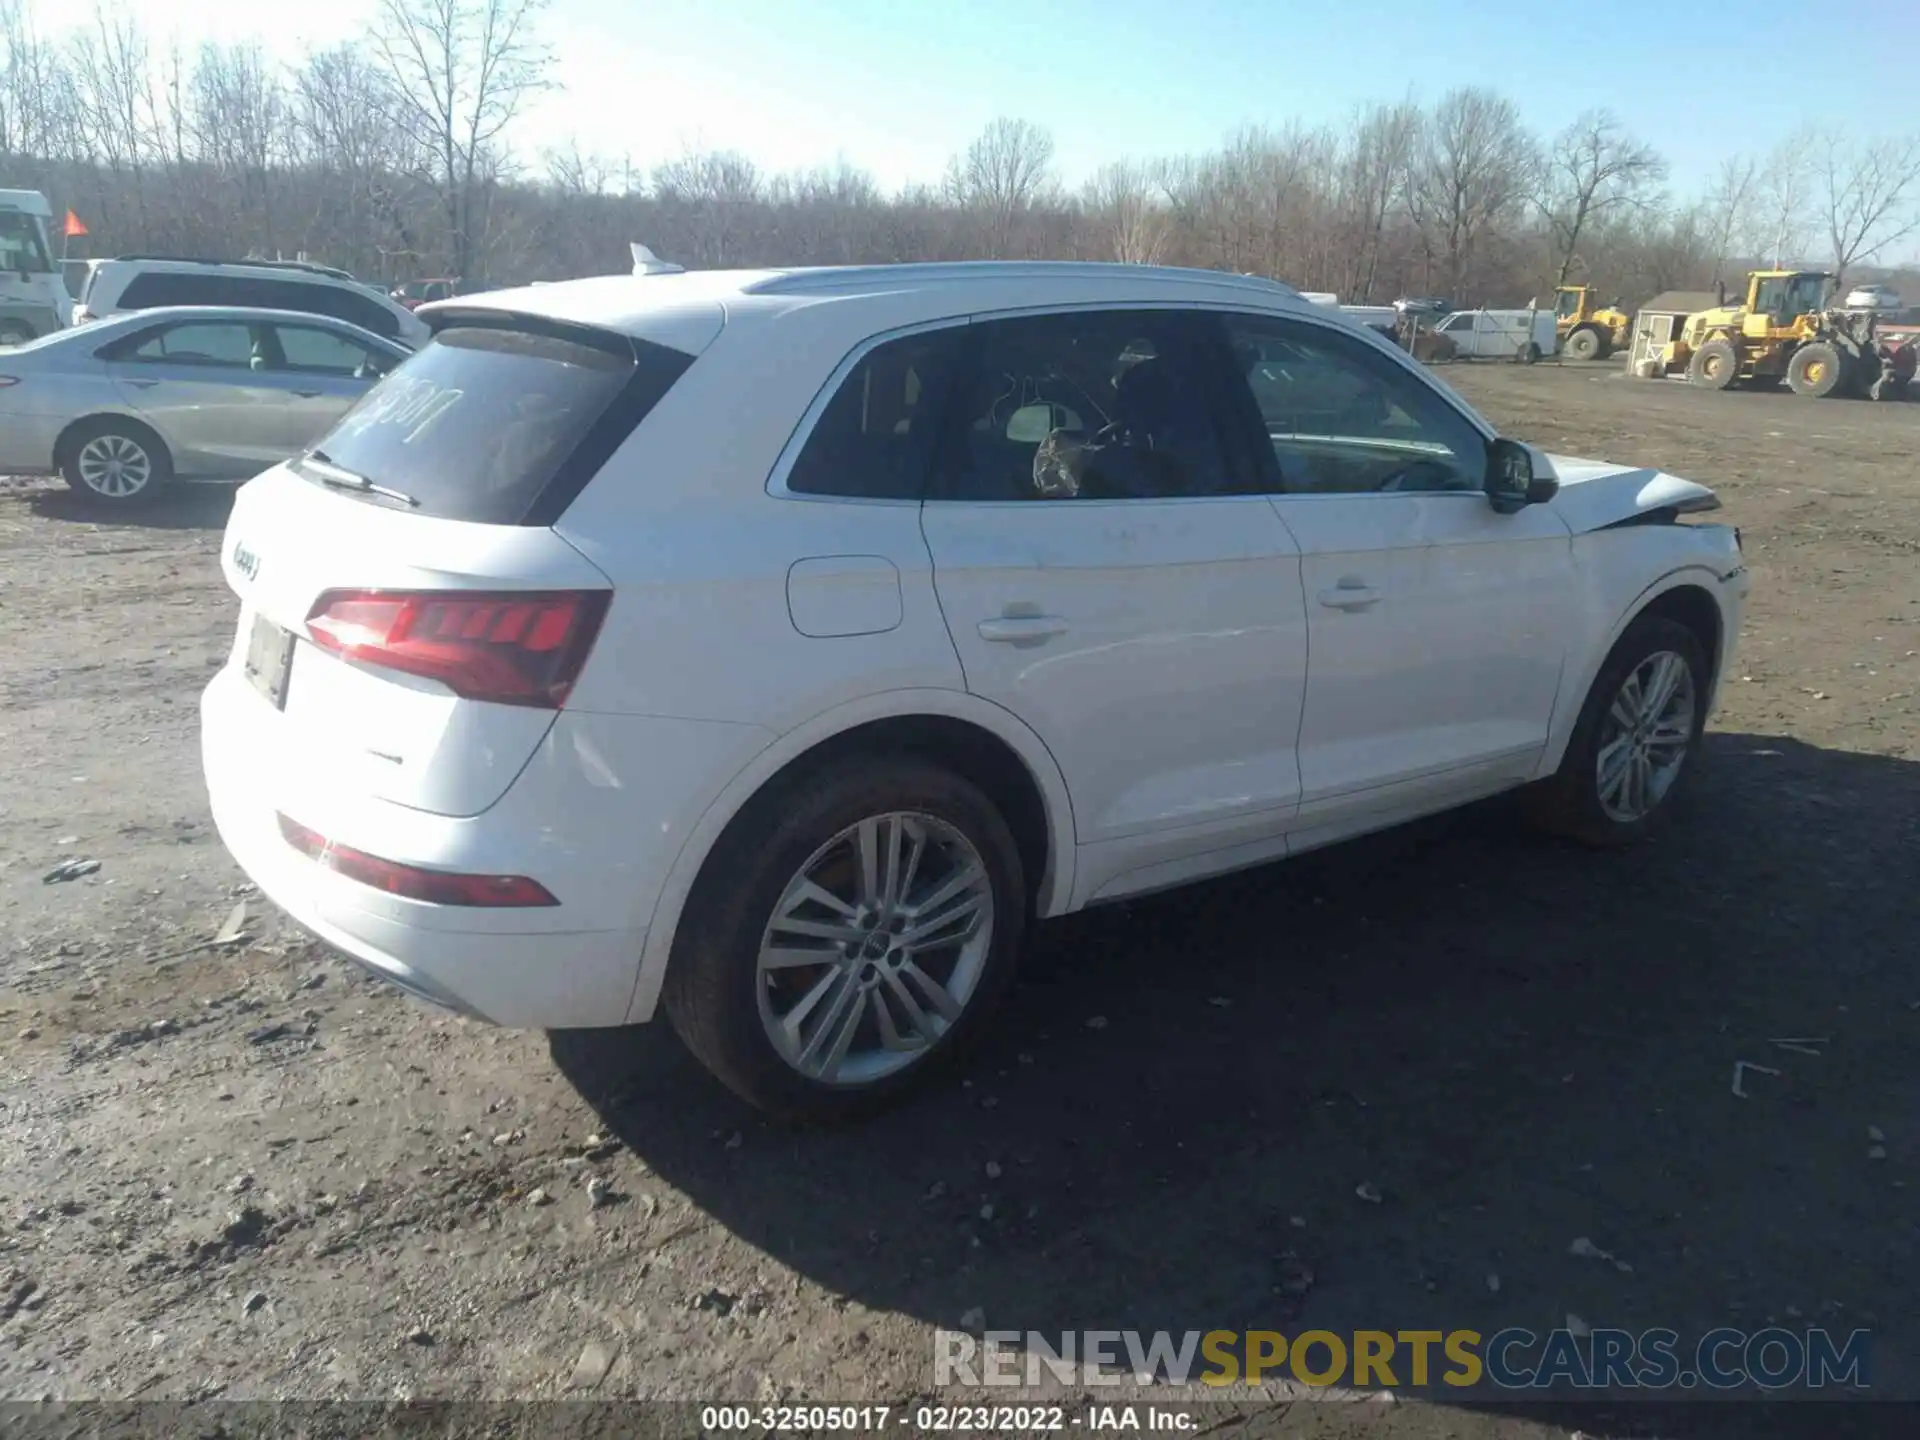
{"type": "Point", "coordinates": [241, 1171]}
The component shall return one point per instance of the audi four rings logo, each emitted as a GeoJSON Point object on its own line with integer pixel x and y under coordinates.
{"type": "Point", "coordinates": [245, 561]}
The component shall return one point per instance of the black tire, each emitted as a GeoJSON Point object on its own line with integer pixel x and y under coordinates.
{"type": "Point", "coordinates": [1586, 343]}
{"type": "Point", "coordinates": [1817, 370]}
{"type": "Point", "coordinates": [1570, 802]}
{"type": "Point", "coordinates": [117, 431]}
{"type": "Point", "coordinates": [713, 988]}
{"type": "Point", "coordinates": [1715, 365]}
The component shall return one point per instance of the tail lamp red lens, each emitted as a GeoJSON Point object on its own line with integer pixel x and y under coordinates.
{"type": "Point", "coordinates": [436, 887]}
{"type": "Point", "coordinates": [514, 647]}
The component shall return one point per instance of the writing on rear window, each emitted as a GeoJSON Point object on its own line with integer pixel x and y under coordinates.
{"type": "Point", "coordinates": [410, 405]}
{"type": "Point", "coordinates": [499, 423]}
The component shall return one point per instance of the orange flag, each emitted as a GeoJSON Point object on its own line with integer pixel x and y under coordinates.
{"type": "Point", "coordinates": [74, 227]}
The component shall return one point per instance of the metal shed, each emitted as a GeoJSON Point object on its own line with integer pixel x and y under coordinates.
{"type": "Point", "coordinates": [1659, 320]}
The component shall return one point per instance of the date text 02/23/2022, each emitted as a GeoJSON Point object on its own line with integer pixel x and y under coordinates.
{"type": "Point", "coordinates": [943, 1419]}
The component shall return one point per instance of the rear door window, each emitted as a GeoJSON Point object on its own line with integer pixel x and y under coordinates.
{"type": "Point", "coordinates": [498, 425]}
{"type": "Point", "coordinates": [874, 440]}
{"type": "Point", "coordinates": [314, 351]}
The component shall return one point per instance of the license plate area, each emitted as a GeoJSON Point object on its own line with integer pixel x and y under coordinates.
{"type": "Point", "coordinates": [270, 660]}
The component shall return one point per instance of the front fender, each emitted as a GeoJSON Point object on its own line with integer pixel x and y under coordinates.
{"type": "Point", "coordinates": [1619, 592]}
{"type": "Point", "coordinates": [1050, 896]}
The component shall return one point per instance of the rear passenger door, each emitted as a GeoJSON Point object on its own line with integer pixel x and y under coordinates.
{"type": "Point", "coordinates": [207, 388]}
{"type": "Point", "coordinates": [1110, 573]}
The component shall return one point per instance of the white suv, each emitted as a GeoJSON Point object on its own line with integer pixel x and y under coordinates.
{"type": "Point", "coordinates": [772, 648]}
{"type": "Point", "coordinates": [151, 282]}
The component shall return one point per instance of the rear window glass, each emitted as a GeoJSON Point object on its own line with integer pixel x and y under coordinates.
{"type": "Point", "coordinates": [500, 426]}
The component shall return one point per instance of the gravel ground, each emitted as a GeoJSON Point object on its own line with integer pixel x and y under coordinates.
{"type": "Point", "coordinates": [231, 1167]}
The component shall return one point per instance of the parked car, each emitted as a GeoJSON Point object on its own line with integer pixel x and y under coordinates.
{"type": "Point", "coordinates": [1501, 334]}
{"type": "Point", "coordinates": [1873, 297]}
{"type": "Point", "coordinates": [146, 282]}
{"type": "Point", "coordinates": [122, 407]}
{"type": "Point", "coordinates": [75, 275]}
{"type": "Point", "coordinates": [771, 648]}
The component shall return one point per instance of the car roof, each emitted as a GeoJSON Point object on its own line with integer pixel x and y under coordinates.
{"type": "Point", "coordinates": [678, 306]}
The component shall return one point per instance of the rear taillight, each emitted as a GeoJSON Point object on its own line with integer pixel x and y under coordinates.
{"type": "Point", "coordinates": [436, 887]}
{"type": "Point", "coordinates": [514, 647]}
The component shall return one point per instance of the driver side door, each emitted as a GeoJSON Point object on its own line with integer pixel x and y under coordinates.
{"type": "Point", "coordinates": [1436, 627]}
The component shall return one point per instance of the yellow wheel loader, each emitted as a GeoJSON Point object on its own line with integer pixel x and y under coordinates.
{"type": "Point", "coordinates": [1588, 331]}
{"type": "Point", "coordinates": [1786, 330]}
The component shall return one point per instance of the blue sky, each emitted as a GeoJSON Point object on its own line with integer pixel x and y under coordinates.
{"type": "Point", "coordinates": [897, 87]}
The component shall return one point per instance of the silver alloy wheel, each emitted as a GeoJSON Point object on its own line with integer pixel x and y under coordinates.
{"type": "Point", "coordinates": [1644, 740]}
{"type": "Point", "coordinates": [875, 948]}
{"type": "Point", "coordinates": [116, 466]}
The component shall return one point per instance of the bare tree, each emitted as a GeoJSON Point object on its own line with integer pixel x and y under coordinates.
{"type": "Point", "coordinates": [712, 193]}
{"type": "Point", "coordinates": [1125, 205]}
{"type": "Point", "coordinates": [346, 135]}
{"type": "Point", "coordinates": [1868, 195]}
{"type": "Point", "coordinates": [33, 88]}
{"type": "Point", "coordinates": [1475, 166]}
{"type": "Point", "coordinates": [1728, 208]}
{"type": "Point", "coordinates": [1592, 168]}
{"type": "Point", "coordinates": [394, 156]}
{"type": "Point", "coordinates": [1373, 176]}
{"type": "Point", "coordinates": [1785, 194]}
{"type": "Point", "coordinates": [572, 171]}
{"type": "Point", "coordinates": [462, 70]}
{"type": "Point", "coordinates": [1002, 174]}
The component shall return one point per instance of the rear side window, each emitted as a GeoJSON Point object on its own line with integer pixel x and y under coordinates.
{"type": "Point", "coordinates": [501, 426]}
{"type": "Point", "coordinates": [874, 440]}
{"type": "Point", "coordinates": [152, 289]}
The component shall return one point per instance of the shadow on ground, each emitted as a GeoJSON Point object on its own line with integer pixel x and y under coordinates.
{"type": "Point", "coordinates": [181, 507]}
{"type": "Point", "coordinates": [1513, 1043]}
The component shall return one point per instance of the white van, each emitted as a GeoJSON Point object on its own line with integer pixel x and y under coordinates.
{"type": "Point", "coordinates": [33, 299]}
{"type": "Point", "coordinates": [1501, 334]}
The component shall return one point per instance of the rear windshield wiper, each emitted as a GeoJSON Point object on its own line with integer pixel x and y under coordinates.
{"type": "Point", "coordinates": [340, 478]}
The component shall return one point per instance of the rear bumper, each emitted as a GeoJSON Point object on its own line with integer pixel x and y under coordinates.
{"type": "Point", "coordinates": [601, 836]}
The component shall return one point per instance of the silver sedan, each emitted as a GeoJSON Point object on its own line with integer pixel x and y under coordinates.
{"type": "Point", "coordinates": [122, 407]}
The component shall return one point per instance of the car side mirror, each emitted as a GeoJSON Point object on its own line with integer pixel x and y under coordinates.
{"type": "Point", "coordinates": [1513, 482]}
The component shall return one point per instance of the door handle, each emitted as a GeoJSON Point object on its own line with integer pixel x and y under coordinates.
{"type": "Point", "coordinates": [143, 384]}
{"type": "Point", "coordinates": [307, 394]}
{"type": "Point", "coordinates": [1350, 596]}
{"type": "Point", "coordinates": [1021, 629]}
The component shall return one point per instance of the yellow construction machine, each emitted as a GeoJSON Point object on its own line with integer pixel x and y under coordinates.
{"type": "Point", "coordinates": [1787, 329]}
{"type": "Point", "coordinates": [1587, 330]}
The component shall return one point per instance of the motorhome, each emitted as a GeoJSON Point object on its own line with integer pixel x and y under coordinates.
{"type": "Point", "coordinates": [33, 298]}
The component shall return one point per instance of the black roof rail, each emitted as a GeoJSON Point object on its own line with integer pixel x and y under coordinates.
{"type": "Point", "coordinates": [332, 271]}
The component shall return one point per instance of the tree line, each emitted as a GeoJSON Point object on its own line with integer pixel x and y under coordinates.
{"type": "Point", "coordinates": [393, 156]}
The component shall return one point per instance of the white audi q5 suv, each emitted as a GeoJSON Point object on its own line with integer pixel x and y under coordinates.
{"type": "Point", "coordinates": [773, 647]}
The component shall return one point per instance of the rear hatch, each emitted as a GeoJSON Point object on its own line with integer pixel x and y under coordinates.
{"type": "Point", "coordinates": [411, 622]}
